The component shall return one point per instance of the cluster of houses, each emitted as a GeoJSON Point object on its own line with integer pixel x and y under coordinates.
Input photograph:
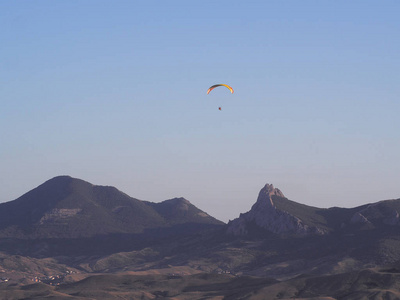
{"type": "Point", "coordinates": [224, 271]}
{"type": "Point", "coordinates": [52, 279]}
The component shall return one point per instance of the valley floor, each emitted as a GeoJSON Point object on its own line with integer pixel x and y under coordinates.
{"type": "Point", "coordinates": [185, 283]}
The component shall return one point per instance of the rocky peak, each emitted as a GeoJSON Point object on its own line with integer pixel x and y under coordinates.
{"type": "Point", "coordinates": [270, 190]}
{"type": "Point", "coordinates": [265, 195]}
{"type": "Point", "coordinates": [266, 215]}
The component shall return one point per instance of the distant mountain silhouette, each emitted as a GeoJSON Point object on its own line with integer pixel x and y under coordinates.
{"type": "Point", "coordinates": [66, 207]}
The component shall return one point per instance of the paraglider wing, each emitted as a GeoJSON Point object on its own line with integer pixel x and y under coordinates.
{"type": "Point", "coordinates": [217, 85]}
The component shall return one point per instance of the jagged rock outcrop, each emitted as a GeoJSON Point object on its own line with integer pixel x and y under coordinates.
{"type": "Point", "coordinates": [266, 215]}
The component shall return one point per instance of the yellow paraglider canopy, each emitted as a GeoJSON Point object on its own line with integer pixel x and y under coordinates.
{"type": "Point", "coordinates": [217, 85]}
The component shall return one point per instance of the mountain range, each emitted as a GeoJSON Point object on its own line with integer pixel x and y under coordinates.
{"type": "Point", "coordinates": [73, 229]}
{"type": "Point", "coordinates": [65, 207]}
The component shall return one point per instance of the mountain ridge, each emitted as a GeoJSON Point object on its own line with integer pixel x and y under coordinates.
{"type": "Point", "coordinates": [63, 204]}
{"type": "Point", "coordinates": [275, 213]}
{"type": "Point", "coordinates": [68, 207]}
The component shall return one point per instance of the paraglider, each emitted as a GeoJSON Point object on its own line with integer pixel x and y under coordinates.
{"type": "Point", "coordinates": [217, 85]}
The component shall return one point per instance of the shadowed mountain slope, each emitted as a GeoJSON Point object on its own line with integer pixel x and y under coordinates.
{"type": "Point", "coordinates": [65, 207]}
{"type": "Point", "coordinates": [180, 210]}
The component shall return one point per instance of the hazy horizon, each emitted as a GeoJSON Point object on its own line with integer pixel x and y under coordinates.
{"type": "Point", "coordinates": [114, 93]}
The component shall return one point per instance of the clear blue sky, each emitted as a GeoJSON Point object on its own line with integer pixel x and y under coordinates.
{"type": "Point", "coordinates": [114, 92]}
